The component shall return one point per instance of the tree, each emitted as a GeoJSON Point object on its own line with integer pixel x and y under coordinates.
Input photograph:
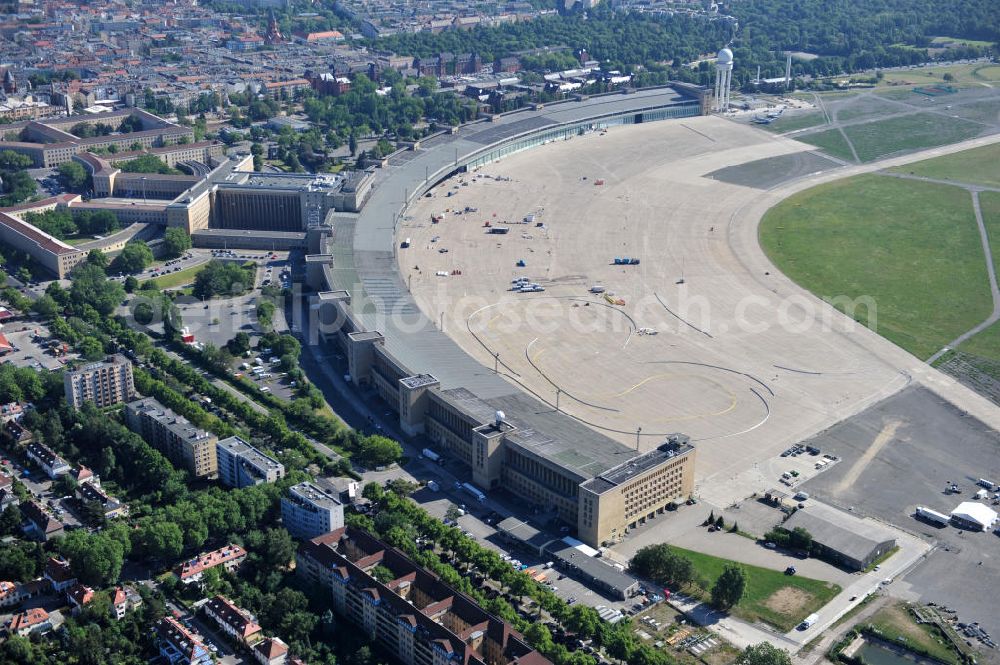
{"type": "Point", "coordinates": [800, 539]}
{"type": "Point", "coordinates": [10, 521]}
{"type": "Point", "coordinates": [402, 486]}
{"type": "Point", "coordinates": [352, 144]}
{"type": "Point", "coordinates": [277, 548]}
{"type": "Point", "coordinates": [729, 588]}
{"type": "Point", "coordinates": [720, 522]}
{"type": "Point", "coordinates": [664, 566]}
{"type": "Point", "coordinates": [96, 559]}
{"type": "Point", "coordinates": [92, 287]}
{"type": "Point", "coordinates": [161, 540]}
{"type": "Point", "coordinates": [223, 278]}
{"type": "Point", "coordinates": [265, 314]}
{"type": "Point", "coordinates": [73, 176]}
{"type": "Point", "coordinates": [131, 284]}
{"type": "Point", "coordinates": [452, 512]}
{"type": "Point", "coordinates": [96, 257]}
{"type": "Point", "coordinates": [764, 654]}
{"type": "Point", "coordinates": [379, 450]}
{"type": "Point", "coordinates": [176, 241]}
{"type": "Point", "coordinates": [239, 344]}
{"type": "Point", "coordinates": [46, 306]}
{"type": "Point", "coordinates": [133, 258]}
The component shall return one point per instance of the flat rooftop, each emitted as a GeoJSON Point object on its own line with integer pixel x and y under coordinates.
{"type": "Point", "coordinates": [541, 431]}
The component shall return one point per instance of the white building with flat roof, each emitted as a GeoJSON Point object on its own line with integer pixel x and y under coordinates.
{"type": "Point", "coordinates": [309, 511]}
{"type": "Point", "coordinates": [242, 465]}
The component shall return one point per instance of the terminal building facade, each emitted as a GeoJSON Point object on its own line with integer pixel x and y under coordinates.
{"type": "Point", "coordinates": [508, 439]}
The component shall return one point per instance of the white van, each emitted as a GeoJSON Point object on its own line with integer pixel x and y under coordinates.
{"type": "Point", "coordinates": [809, 621]}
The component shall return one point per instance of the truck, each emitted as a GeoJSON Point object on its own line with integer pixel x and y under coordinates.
{"type": "Point", "coordinates": [433, 486]}
{"type": "Point", "coordinates": [431, 455]}
{"type": "Point", "coordinates": [809, 621]}
{"type": "Point", "coordinates": [469, 488]}
{"type": "Point", "coordinates": [405, 244]}
{"type": "Point", "coordinates": [932, 516]}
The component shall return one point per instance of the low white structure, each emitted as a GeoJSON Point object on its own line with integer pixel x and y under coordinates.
{"type": "Point", "coordinates": [974, 516]}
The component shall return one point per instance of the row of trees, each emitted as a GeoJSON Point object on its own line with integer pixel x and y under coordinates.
{"type": "Point", "coordinates": [847, 37]}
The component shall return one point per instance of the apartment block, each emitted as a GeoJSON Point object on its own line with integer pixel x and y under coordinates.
{"type": "Point", "coordinates": [242, 465]}
{"type": "Point", "coordinates": [229, 557]}
{"type": "Point", "coordinates": [52, 464]}
{"type": "Point", "coordinates": [414, 617]}
{"type": "Point", "coordinates": [181, 442]}
{"type": "Point", "coordinates": [105, 383]}
{"type": "Point", "coordinates": [309, 511]}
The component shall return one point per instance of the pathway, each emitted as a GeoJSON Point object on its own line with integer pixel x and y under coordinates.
{"type": "Point", "coordinates": [974, 190]}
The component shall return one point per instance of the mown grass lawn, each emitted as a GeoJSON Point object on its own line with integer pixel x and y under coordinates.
{"type": "Point", "coordinates": [875, 140]}
{"type": "Point", "coordinates": [987, 343]}
{"type": "Point", "coordinates": [831, 142]}
{"type": "Point", "coordinates": [912, 247]}
{"type": "Point", "coordinates": [179, 278]}
{"type": "Point", "coordinates": [762, 585]}
{"type": "Point", "coordinates": [789, 122]}
{"type": "Point", "coordinates": [978, 166]}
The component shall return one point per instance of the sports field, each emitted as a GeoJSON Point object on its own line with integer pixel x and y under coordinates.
{"type": "Point", "coordinates": [979, 166]}
{"type": "Point", "coordinates": [913, 247]}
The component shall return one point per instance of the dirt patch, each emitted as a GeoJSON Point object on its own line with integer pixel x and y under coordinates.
{"type": "Point", "coordinates": [788, 600]}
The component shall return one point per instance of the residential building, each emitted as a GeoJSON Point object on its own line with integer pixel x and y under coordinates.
{"type": "Point", "coordinates": [415, 617]}
{"type": "Point", "coordinates": [308, 511]}
{"type": "Point", "coordinates": [123, 601]}
{"type": "Point", "coordinates": [16, 434]}
{"type": "Point", "coordinates": [58, 574]}
{"type": "Point", "coordinates": [229, 557]}
{"type": "Point", "coordinates": [34, 620]}
{"type": "Point", "coordinates": [7, 498]}
{"type": "Point", "coordinates": [39, 524]}
{"type": "Point", "coordinates": [78, 596]}
{"type": "Point", "coordinates": [91, 495]}
{"type": "Point", "coordinates": [242, 465]}
{"type": "Point", "coordinates": [239, 624]}
{"type": "Point", "coordinates": [53, 465]}
{"type": "Point", "coordinates": [271, 651]}
{"type": "Point", "coordinates": [105, 384]}
{"type": "Point", "coordinates": [12, 410]}
{"type": "Point", "coordinates": [11, 594]}
{"type": "Point", "coordinates": [180, 646]}
{"type": "Point", "coordinates": [185, 445]}
{"type": "Point", "coordinates": [82, 475]}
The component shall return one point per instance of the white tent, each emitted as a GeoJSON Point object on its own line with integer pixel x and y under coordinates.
{"type": "Point", "coordinates": [975, 515]}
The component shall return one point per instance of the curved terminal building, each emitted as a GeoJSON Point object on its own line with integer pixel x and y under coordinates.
{"type": "Point", "coordinates": [508, 438]}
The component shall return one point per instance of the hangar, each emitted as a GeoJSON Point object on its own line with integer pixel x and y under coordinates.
{"type": "Point", "coordinates": [841, 538]}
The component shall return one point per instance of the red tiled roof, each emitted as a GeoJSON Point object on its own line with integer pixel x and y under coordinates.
{"type": "Point", "coordinates": [210, 560]}
{"type": "Point", "coordinates": [271, 648]}
{"type": "Point", "coordinates": [28, 618]}
{"type": "Point", "coordinates": [40, 238]}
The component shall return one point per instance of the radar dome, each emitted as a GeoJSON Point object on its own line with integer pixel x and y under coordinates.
{"type": "Point", "coordinates": [725, 56]}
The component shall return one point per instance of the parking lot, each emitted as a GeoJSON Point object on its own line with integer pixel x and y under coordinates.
{"type": "Point", "coordinates": [473, 522]}
{"type": "Point", "coordinates": [31, 344]}
{"type": "Point", "coordinates": [899, 454]}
